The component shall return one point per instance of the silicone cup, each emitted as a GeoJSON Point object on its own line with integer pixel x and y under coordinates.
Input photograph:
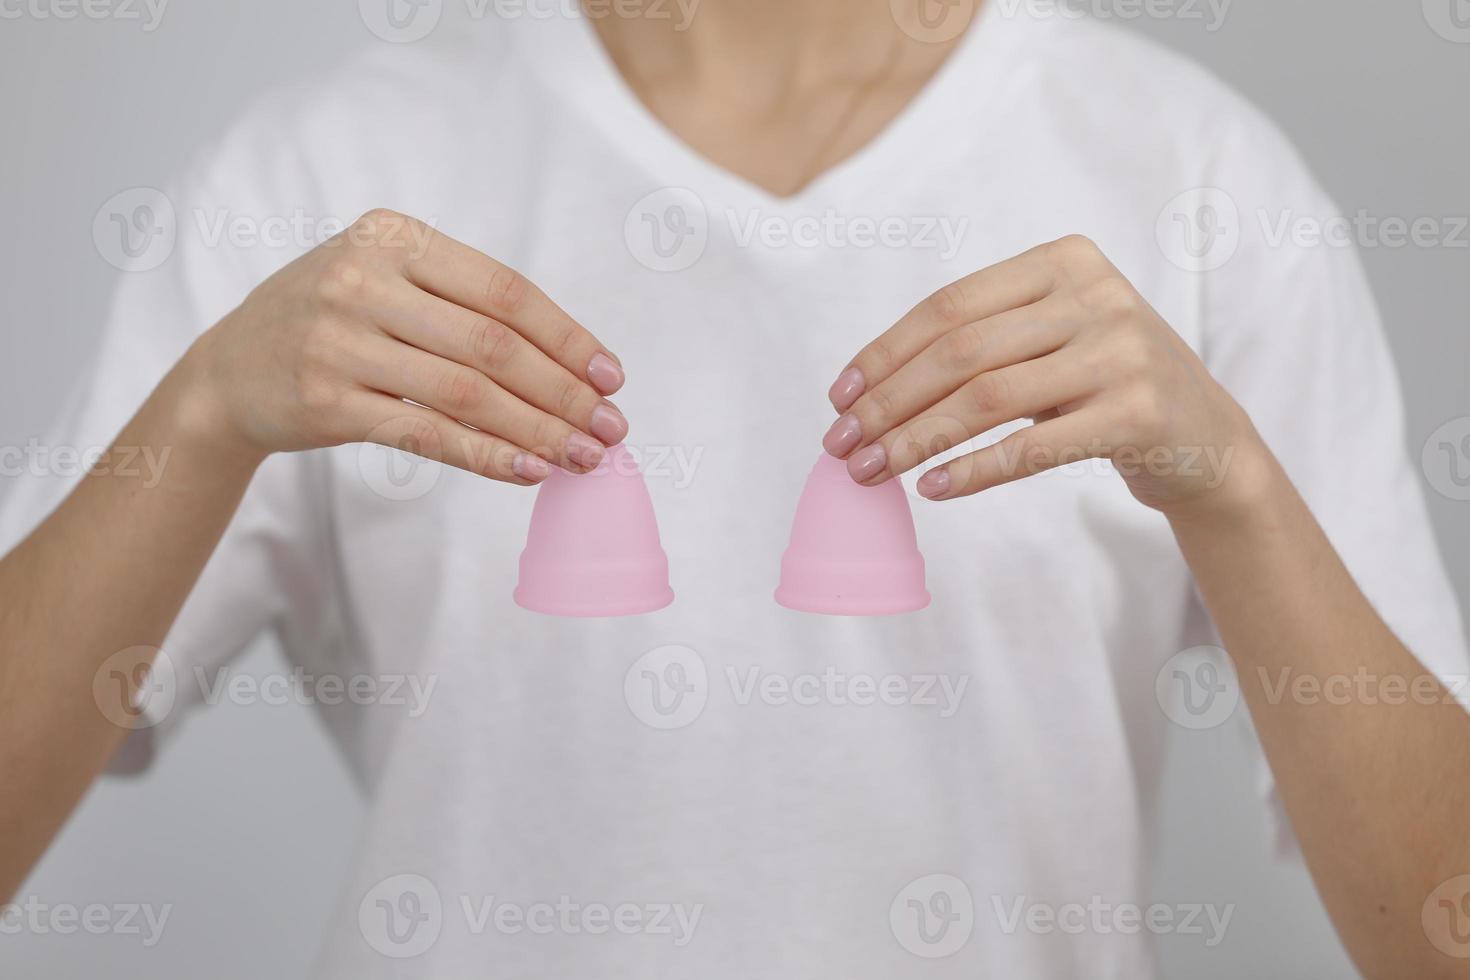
{"type": "Point", "coordinates": [853, 550]}
{"type": "Point", "coordinates": [593, 547]}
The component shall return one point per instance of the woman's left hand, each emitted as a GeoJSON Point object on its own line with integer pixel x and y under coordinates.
{"type": "Point", "coordinates": [1058, 335]}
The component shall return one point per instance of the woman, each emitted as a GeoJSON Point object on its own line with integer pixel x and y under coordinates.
{"type": "Point", "coordinates": [712, 212]}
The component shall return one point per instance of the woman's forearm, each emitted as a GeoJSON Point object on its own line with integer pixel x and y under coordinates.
{"type": "Point", "coordinates": [107, 571]}
{"type": "Point", "coordinates": [1376, 783]}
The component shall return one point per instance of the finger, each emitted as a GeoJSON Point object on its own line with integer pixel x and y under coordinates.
{"type": "Point", "coordinates": [467, 396]}
{"type": "Point", "coordinates": [469, 278]}
{"type": "Point", "coordinates": [1008, 285]}
{"type": "Point", "coordinates": [989, 400]}
{"type": "Point", "coordinates": [946, 365]}
{"type": "Point", "coordinates": [479, 342]}
{"type": "Point", "coordinates": [388, 421]}
{"type": "Point", "coordinates": [1032, 450]}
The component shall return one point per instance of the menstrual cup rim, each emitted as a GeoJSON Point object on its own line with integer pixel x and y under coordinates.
{"type": "Point", "coordinates": [594, 610]}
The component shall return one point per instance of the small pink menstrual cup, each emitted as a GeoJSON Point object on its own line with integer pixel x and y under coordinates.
{"type": "Point", "coordinates": [853, 551]}
{"type": "Point", "coordinates": [593, 548]}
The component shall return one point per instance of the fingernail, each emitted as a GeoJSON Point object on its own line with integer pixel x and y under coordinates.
{"type": "Point", "coordinates": [608, 424]}
{"type": "Point", "coordinates": [933, 484]}
{"type": "Point", "coordinates": [585, 452]}
{"type": "Point", "coordinates": [846, 389]}
{"type": "Point", "coordinates": [844, 436]}
{"type": "Point", "coordinates": [531, 468]}
{"type": "Point", "coordinates": [604, 374]}
{"type": "Point", "coordinates": [868, 463]}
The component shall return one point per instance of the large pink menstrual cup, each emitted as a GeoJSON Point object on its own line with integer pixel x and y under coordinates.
{"type": "Point", "coordinates": [853, 551]}
{"type": "Point", "coordinates": [593, 548]}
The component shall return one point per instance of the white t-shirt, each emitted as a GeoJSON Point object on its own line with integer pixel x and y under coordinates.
{"type": "Point", "coordinates": [818, 796]}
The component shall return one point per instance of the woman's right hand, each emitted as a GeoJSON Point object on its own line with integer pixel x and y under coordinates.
{"type": "Point", "coordinates": [396, 334]}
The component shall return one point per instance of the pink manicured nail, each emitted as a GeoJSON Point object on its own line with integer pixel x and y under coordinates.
{"type": "Point", "coordinates": [933, 484]}
{"type": "Point", "coordinates": [585, 452]}
{"type": "Point", "coordinates": [846, 389]}
{"type": "Point", "coordinates": [604, 374]}
{"type": "Point", "coordinates": [531, 468]}
{"type": "Point", "coordinates": [843, 437]}
{"type": "Point", "coordinates": [608, 424]}
{"type": "Point", "coordinates": [867, 463]}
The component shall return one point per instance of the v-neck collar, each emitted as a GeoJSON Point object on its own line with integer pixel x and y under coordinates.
{"type": "Point", "coordinates": [569, 56]}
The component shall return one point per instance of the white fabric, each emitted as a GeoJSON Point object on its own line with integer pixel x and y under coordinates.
{"type": "Point", "coordinates": [796, 827]}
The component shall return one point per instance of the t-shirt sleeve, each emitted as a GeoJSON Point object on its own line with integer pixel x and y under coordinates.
{"type": "Point", "coordinates": [1292, 331]}
{"type": "Point", "coordinates": [269, 570]}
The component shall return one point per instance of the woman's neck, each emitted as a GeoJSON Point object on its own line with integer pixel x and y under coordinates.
{"type": "Point", "coordinates": [776, 90]}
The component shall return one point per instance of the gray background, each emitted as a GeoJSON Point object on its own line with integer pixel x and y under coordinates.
{"type": "Point", "coordinates": [247, 824]}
